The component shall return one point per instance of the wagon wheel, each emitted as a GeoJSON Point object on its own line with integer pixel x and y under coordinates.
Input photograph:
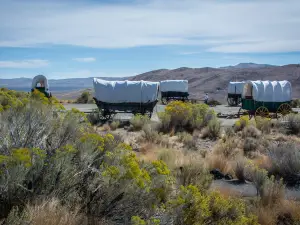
{"type": "Point", "coordinates": [230, 101]}
{"type": "Point", "coordinates": [106, 115]}
{"type": "Point", "coordinates": [283, 110]}
{"type": "Point", "coordinates": [262, 112]}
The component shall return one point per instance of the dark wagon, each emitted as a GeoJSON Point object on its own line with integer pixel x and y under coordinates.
{"type": "Point", "coordinates": [174, 90]}
{"type": "Point", "coordinates": [235, 90]}
{"type": "Point", "coordinates": [136, 97]}
{"type": "Point", "coordinates": [40, 83]}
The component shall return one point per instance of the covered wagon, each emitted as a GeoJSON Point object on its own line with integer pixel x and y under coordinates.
{"type": "Point", "coordinates": [235, 90]}
{"type": "Point", "coordinates": [40, 83]}
{"type": "Point", "coordinates": [134, 97]}
{"type": "Point", "coordinates": [260, 98]}
{"type": "Point", "coordinates": [174, 90]}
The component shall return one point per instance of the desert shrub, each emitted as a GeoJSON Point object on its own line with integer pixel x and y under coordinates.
{"type": "Point", "coordinates": [264, 124]}
{"type": "Point", "coordinates": [138, 121]}
{"type": "Point", "coordinates": [46, 155]}
{"type": "Point", "coordinates": [41, 98]}
{"type": "Point", "coordinates": [240, 169]}
{"type": "Point", "coordinates": [95, 117]}
{"type": "Point", "coordinates": [295, 103]}
{"type": "Point", "coordinates": [251, 131]}
{"type": "Point", "coordinates": [49, 212]}
{"type": "Point", "coordinates": [218, 162]}
{"type": "Point", "coordinates": [228, 147]}
{"type": "Point", "coordinates": [185, 116]}
{"type": "Point", "coordinates": [293, 124]}
{"type": "Point", "coordinates": [272, 192]}
{"type": "Point", "coordinates": [241, 123]}
{"type": "Point", "coordinates": [114, 125]}
{"type": "Point", "coordinates": [194, 173]}
{"type": "Point", "coordinates": [187, 139]}
{"type": "Point", "coordinates": [258, 176]}
{"type": "Point", "coordinates": [195, 207]}
{"type": "Point", "coordinates": [85, 98]}
{"type": "Point", "coordinates": [136, 220]}
{"type": "Point", "coordinates": [212, 130]}
{"type": "Point", "coordinates": [285, 162]}
{"type": "Point", "coordinates": [151, 134]}
{"type": "Point", "coordinates": [165, 122]}
{"type": "Point", "coordinates": [250, 145]}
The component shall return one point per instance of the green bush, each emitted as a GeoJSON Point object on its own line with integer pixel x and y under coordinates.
{"type": "Point", "coordinates": [138, 121]}
{"type": "Point", "coordinates": [195, 207]}
{"type": "Point", "coordinates": [114, 125]}
{"type": "Point", "coordinates": [250, 145]}
{"type": "Point", "coordinates": [285, 161]}
{"type": "Point", "coordinates": [85, 97]}
{"type": "Point", "coordinates": [243, 122]}
{"type": "Point", "coordinates": [212, 130]}
{"type": "Point", "coordinates": [46, 155]}
{"type": "Point", "coordinates": [293, 124]}
{"type": "Point", "coordinates": [187, 139]}
{"type": "Point", "coordinates": [180, 116]}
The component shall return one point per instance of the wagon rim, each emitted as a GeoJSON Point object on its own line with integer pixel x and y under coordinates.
{"type": "Point", "coordinates": [262, 112]}
{"type": "Point", "coordinates": [283, 110]}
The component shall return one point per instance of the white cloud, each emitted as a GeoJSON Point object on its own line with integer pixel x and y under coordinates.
{"type": "Point", "coordinates": [88, 59]}
{"type": "Point", "coordinates": [218, 26]}
{"type": "Point", "coordinates": [24, 64]}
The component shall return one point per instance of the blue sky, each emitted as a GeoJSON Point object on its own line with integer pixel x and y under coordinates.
{"type": "Point", "coordinates": [64, 39]}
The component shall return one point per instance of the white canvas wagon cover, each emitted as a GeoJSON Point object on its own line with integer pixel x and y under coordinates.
{"type": "Point", "coordinates": [174, 85]}
{"type": "Point", "coordinates": [236, 87]}
{"type": "Point", "coordinates": [42, 80]}
{"type": "Point", "coordinates": [125, 91]}
{"type": "Point", "coordinates": [268, 91]}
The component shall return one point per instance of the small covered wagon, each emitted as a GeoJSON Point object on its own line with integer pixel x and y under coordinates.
{"type": "Point", "coordinates": [263, 98]}
{"type": "Point", "coordinates": [40, 83]}
{"type": "Point", "coordinates": [174, 90]}
{"type": "Point", "coordinates": [235, 90]}
{"type": "Point", "coordinates": [137, 97]}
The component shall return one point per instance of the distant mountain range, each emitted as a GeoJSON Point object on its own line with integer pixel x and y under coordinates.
{"type": "Point", "coordinates": [247, 66]}
{"type": "Point", "coordinates": [211, 80]}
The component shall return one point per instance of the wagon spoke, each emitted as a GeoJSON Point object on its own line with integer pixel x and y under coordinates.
{"type": "Point", "coordinates": [283, 110]}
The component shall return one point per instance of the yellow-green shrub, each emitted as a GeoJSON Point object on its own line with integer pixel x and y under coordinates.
{"type": "Point", "coordinates": [138, 122]}
{"type": "Point", "coordinates": [185, 116]}
{"type": "Point", "coordinates": [241, 123]}
{"type": "Point", "coordinates": [196, 207]}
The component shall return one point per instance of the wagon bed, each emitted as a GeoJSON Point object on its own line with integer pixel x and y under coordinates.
{"type": "Point", "coordinates": [110, 109]}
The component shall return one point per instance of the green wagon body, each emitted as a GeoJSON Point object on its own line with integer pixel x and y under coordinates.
{"type": "Point", "coordinates": [252, 105]}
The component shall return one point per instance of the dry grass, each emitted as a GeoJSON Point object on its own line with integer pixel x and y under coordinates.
{"type": "Point", "coordinates": [285, 161]}
{"type": "Point", "coordinates": [240, 169]}
{"type": "Point", "coordinates": [250, 145]}
{"type": "Point", "coordinates": [212, 130]}
{"type": "Point", "coordinates": [218, 162]}
{"type": "Point", "coordinates": [187, 139]}
{"type": "Point", "coordinates": [251, 131]}
{"type": "Point", "coordinates": [114, 125]}
{"type": "Point", "coordinates": [47, 212]}
{"type": "Point", "coordinates": [228, 147]}
{"type": "Point", "coordinates": [227, 192]}
{"type": "Point", "coordinates": [52, 213]}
